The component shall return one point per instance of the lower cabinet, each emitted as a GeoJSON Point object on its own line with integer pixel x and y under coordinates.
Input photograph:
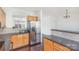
{"type": "Point", "coordinates": [54, 46]}
{"type": "Point", "coordinates": [25, 38]}
{"type": "Point", "coordinates": [59, 47]}
{"type": "Point", "coordinates": [48, 45]}
{"type": "Point", "coordinates": [19, 40]}
{"type": "Point", "coordinates": [14, 41]}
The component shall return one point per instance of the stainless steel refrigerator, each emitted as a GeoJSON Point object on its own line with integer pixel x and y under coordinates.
{"type": "Point", "coordinates": [34, 30]}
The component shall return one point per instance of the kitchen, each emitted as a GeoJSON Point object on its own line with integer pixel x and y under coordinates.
{"type": "Point", "coordinates": [21, 29]}
{"type": "Point", "coordinates": [39, 29]}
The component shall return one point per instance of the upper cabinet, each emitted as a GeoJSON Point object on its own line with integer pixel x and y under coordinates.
{"type": "Point", "coordinates": [32, 18]}
{"type": "Point", "coordinates": [2, 18]}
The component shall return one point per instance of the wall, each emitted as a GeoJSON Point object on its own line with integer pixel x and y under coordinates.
{"type": "Point", "coordinates": [54, 18]}
{"type": "Point", "coordinates": [10, 12]}
{"type": "Point", "coordinates": [71, 23]}
{"type": "Point", "coordinates": [46, 24]}
{"type": "Point", "coordinates": [9, 19]}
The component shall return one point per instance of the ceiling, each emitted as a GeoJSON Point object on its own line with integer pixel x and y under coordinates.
{"type": "Point", "coordinates": [22, 11]}
{"type": "Point", "coordinates": [45, 10]}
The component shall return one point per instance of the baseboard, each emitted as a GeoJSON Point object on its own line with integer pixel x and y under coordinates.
{"type": "Point", "coordinates": [19, 48]}
{"type": "Point", "coordinates": [16, 49]}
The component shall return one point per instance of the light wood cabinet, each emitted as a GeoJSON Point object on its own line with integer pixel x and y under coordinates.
{"type": "Point", "coordinates": [14, 41]}
{"type": "Point", "coordinates": [25, 38]}
{"type": "Point", "coordinates": [48, 45]}
{"type": "Point", "coordinates": [54, 46]}
{"type": "Point", "coordinates": [20, 40]}
{"type": "Point", "coordinates": [60, 47]}
{"type": "Point", "coordinates": [2, 17]}
{"type": "Point", "coordinates": [32, 18]}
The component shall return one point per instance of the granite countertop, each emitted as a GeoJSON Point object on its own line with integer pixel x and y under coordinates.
{"type": "Point", "coordinates": [67, 31]}
{"type": "Point", "coordinates": [9, 31]}
{"type": "Point", "coordinates": [66, 42]}
{"type": "Point", "coordinates": [6, 33]}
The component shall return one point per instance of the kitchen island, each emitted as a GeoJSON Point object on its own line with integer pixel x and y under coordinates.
{"type": "Point", "coordinates": [5, 36]}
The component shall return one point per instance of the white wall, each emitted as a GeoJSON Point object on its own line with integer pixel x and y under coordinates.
{"type": "Point", "coordinates": [71, 24]}
{"type": "Point", "coordinates": [10, 12]}
{"type": "Point", "coordinates": [46, 24]}
{"type": "Point", "coordinates": [53, 18]}
{"type": "Point", "coordinates": [9, 20]}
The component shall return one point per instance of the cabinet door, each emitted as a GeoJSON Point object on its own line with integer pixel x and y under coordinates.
{"type": "Point", "coordinates": [48, 45]}
{"type": "Point", "coordinates": [14, 40]}
{"type": "Point", "coordinates": [32, 18]}
{"type": "Point", "coordinates": [2, 17]}
{"type": "Point", "coordinates": [20, 40]}
{"type": "Point", "coordinates": [60, 47]}
{"type": "Point", "coordinates": [25, 38]}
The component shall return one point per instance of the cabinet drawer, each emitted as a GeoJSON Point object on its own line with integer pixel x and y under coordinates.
{"type": "Point", "coordinates": [60, 47]}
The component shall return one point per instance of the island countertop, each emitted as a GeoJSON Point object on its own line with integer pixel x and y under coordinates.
{"type": "Point", "coordinates": [5, 33]}
{"type": "Point", "coordinates": [9, 31]}
{"type": "Point", "coordinates": [66, 42]}
{"type": "Point", "coordinates": [5, 36]}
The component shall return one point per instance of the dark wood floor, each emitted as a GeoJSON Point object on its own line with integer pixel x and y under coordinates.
{"type": "Point", "coordinates": [30, 48]}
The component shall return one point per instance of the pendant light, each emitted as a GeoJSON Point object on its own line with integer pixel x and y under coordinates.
{"type": "Point", "coordinates": [67, 14]}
